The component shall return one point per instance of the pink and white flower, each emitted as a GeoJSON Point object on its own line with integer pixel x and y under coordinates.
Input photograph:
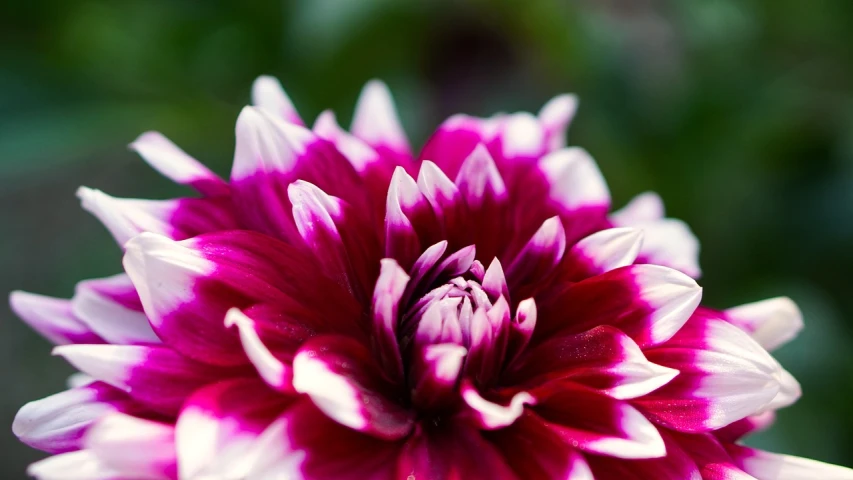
{"type": "Point", "coordinates": [344, 309]}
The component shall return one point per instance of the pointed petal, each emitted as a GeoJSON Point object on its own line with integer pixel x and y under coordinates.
{"type": "Point", "coordinates": [539, 257]}
{"type": "Point", "coordinates": [217, 428]}
{"type": "Point", "coordinates": [341, 378]}
{"type": "Point", "coordinates": [724, 377]}
{"type": "Point", "coordinates": [488, 415]}
{"type": "Point", "coordinates": [79, 465]}
{"type": "Point", "coordinates": [771, 466]}
{"type": "Point", "coordinates": [555, 117]}
{"type": "Point", "coordinates": [484, 192]}
{"type": "Point", "coordinates": [602, 358]}
{"type": "Point", "coordinates": [596, 423]}
{"type": "Point", "coordinates": [409, 221]}
{"type": "Point", "coordinates": [376, 122]}
{"type": "Point", "coordinates": [574, 179]}
{"type": "Point", "coordinates": [647, 302]}
{"type": "Point", "coordinates": [57, 423]}
{"type": "Point", "coordinates": [385, 313]}
{"type": "Point", "coordinates": [110, 307]}
{"type": "Point", "coordinates": [277, 373]}
{"type": "Point", "coordinates": [772, 323]}
{"type": "Point", "coordinates": [601, 252]}
{"type": "Point", "coordinates": [52, 318]}
{"type": "Point", "coordinates": [644, 207]}
{"type": "Point", "coordinates": [165, 157]}
{"type": "Point", "coordinates": [155, 376]}
{"type": "Point", "coordinates": [133, 446]}
{"type": "Point", "coordinates": [267, 93]}
{"type": "Point", "coordinates": [447, 203]}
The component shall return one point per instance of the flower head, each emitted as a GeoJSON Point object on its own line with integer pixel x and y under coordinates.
{"type": "Point", "coordinates": [342, 308]}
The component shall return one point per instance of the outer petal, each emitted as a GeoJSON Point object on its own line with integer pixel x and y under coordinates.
{"type": "Point", "coordinates": [555, 117]}
{"type": "Point", "coordinates": [375, 121]}
{"type": "Point", "coordinates": [647, 302]}
{"type": "Point", "coordinates": [217, 428]}
{"type": "Point", "coordinates": [175, 164]}
{"type": "Point", "coordinates": [772, 323]}
{"type": "Point", "coordinates": [575, 181]}
{"type": "Point", "coordinates": [596, 423]}
{"type": "Point", "coordinates": [724, 376]}
{"type": "Point", "coordinates": [57, 423]}
{"type": "Point", "coordinates": [601, 252]}
{"type": "Point", "coordinates": [268, 94]}
{"type": "Point", "coordinates": [341, 378]}
{"type": "Point", "coordinates": [676, 465]}
{"type": "Point", "coordinates": [155, 376]}
{"type": "Point", "coordinates": [79, 465]}
{"type": "Point", "coordinates": [52, 318]}
{"type": "Point", "coordinates": [135, 447]}
{"type": "Point", "coordinates": [111, 308]}
{"type": "Point", "coordinates": [771, 466]}
{"type": "Point", "coordinates": [602, 358]}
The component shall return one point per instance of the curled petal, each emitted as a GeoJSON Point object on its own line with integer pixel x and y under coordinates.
{"type": "Point", "coordinates": [772, 323]}
{"type": "Point", "coordinates": [490, 415]}
{"type": "Point", "coordinates": [271, 368]}
{"type": "Point", "coordinates": [343, 381]}
{"type": "Point", "coordinates": [436, 370]}
{"type": "Point", "coordinates": [52, 318]}
{"type": "Point", "coordinates": [165, 157]}
{"type": "Point", "coordinates": [267, 93]}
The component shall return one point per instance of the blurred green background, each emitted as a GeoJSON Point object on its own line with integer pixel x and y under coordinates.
{"type": "Point", "coordinates": [739, 112]}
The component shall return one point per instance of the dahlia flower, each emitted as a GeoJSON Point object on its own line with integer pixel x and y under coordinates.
{"type": "Point", "coordinates": [344, 309]}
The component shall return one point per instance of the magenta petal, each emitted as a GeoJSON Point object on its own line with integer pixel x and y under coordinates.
{"type": "Point", "coordinates": [436, 370]}
{"type": "Point", "coordinates": [676, 465]}
{"type": "Point", "coordinates": [342, 379]}
{"type": "Point", "coordinates": [154, 376]}
{"type": "Point", "coordinates": [165, 157]}
{"type": "Point", "coordinates": [601, 252]}
{"type": "Point", "coordinates": [484, 192]}
{"type": "Point", "coordinates": [52, 318]}
{"type": "Point", "coordinates": [647, 302]}
{"type": "Point", "coordinates": [306, 444]}
{"type": "Point", "coordinates": [603, 358]}
{"type": "Point", "coordinates": [386, 309]}
{"type": "Point", "coordinates": [723, 377]}
{"type": "Point", "coordinates": [57, 423]}
{"type": "Point", "coordinates": [409, 221]}
{"type": "Point", "coordinates": [596, 423]}
{"type": "Point", "coordinates": [538, 258]}
{"type": "Point", "coordinates": [737, 430]}
{"type": "Point", "coordinates": [217, 427]}
{"type": "Point", "coordinates": [452, 452]}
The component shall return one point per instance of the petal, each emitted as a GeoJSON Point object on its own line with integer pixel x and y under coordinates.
{"type": "Point", "coordinates": [521, 137]}
{"type": "Point", "coordinates": [268, 94]}
{"type": "Point", "coordinates": [133, 446]}
{"type": "Point", "coordinates": [484, 192]}
{"type": "Point", "coordinates": [724, 377]}
{"type": "Point", "coordinates": [647, 302]}
{"type": "Point", "coordinates": [601, 252]}
{"type": "Point", "coordinates": [361, 155]}
{"type": "Point", "coordinates": [756, 423]}
{"type": "Point", "coordinates": [269, 155]}
{"type": "Point", "coordinates": [155, 376]}
{"type": "Point", "coordinates": [345, 243]}
{"type": "Point", "coordinates": [343, 381]}
{"type": "Point", "coordinates": [436, 369]}
{"type": "Point", "coordinates": [385, 312]}
{"type": "Point", "coordinates": [52, 318]}
{"type": "Point", "coordinates": [79, 465]}
{"type": "Point", "coordinates": [602, 358]}
{"type": "Point", "coordinates": [409, 221]}
{"type": "Point", "coordinates": [539, 257]}
{"type": "Point", "coordinates": [165, 157]}
{"type": "Point", "coordinates": [555, 117]}
{"type": "Point", "coordinates": [574, 180]}
{"type": "Point", "coordinates": [376, 122]}
{"type": "Point", "coordinates": [447, 203]}
{"type": "Point", "coordinates": [596, 423]}
{"type": "Point", "coordinates": [771, 466]}
{"type": "Point", "coordinates": [455, 139]}
{"type": "Point", "coordinates": [217, 427]}
{"type": "Point", "coordinates": [110, 307]}
{"type": "Point", "coordinates": [645, 207]}
{"type": "Point", "coordinates": [488, 415]}
{"type": "Point", "coordinates": [306, 444]}
{"type": "Point", "coordinates": [677, 465]}
{"type": "Point", "coordinates": [272, 369]}
{"type": "Point", "coordinates": [187, 287]}
{"type": "Point", "coordinates": [533, 450]}
{"type": "Point", "coordinates": [772, 323]}
{"type": "Point", "coordinates": [57, 423]}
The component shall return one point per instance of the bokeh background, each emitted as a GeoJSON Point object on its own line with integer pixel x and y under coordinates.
{"type": "Point", "coordinates": [739, 112]}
